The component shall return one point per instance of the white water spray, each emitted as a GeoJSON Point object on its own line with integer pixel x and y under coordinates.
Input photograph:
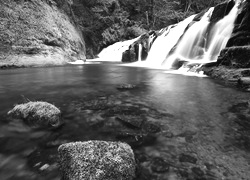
{"type": "Point", "coordinates": [194, 43]}
{"type": "Point", "coordinates": [139, 52]}
{"type": "Point", "coordinates": [164, 43]}
{"type": "Point", "coordinates": [200, 46]}
{"type": "Point", "coordinates": [114, 51]}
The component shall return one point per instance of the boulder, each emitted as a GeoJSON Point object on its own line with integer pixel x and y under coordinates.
{"type": "Point", "coordinates": [221, 10]}
{"type": "Point", "coordinates": [131, 55]}
{"type": "Point", "coordinates": [97, 160]}
{"type": "Point", "coordinates": [244, 81]}
{"type": "Point", "coordinates": [125, 86]}
{"type": "Point", "coordinates": [37, 114]}
{"type": "Point", "coordinates": [237, 57]}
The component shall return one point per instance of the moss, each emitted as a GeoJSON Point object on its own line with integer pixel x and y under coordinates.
{"type": "Point", "coordinates": [37, 114]}
{"type": "Point", "coordinates": [97, 160]}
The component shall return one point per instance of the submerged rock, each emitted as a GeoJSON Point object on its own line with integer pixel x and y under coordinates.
{"type": "Point", "coordinates": [97, 160]}
{"type": "Point", "coordinates": [37, 114]}
{"type": "Point", "coordinates": [126, 86]}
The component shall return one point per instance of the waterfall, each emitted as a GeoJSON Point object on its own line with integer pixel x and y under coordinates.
{"type": "Point", "coordinates": [190, 42]}
{"type": "Point", "coordinates": [164, 43]}
{"type": "Point", "coordinates": [198, 45]}
{"type": "Point", "coordinates": [114, 51]}
{"type": "Point", "coordinates": [139, 52]}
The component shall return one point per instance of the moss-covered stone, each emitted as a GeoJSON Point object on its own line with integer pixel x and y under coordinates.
{"type": "Point", "coordinates": [37, 114]}
{"type": "Point", "coordinates": [97, 160]}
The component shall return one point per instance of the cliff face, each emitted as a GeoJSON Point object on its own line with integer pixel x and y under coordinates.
{"type": "Point", "coordinates": [38, 33]}
{"type": "Point", "coordinates": [234, 61]}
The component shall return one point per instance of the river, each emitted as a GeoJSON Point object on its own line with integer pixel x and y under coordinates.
{"type": "Point", "coordinates": [204, 124]}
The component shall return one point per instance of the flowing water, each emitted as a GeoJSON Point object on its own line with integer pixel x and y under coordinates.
{"type": "Point", "coordinates": [189, 41]}
{"type": "Point", "coordinates": [204, 126]}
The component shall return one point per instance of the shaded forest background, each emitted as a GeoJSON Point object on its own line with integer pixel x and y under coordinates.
{"type": "Point", "coordinates": [104, 22]}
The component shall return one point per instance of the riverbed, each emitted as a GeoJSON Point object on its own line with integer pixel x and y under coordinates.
{"type": "Point", "coordinates": [189, 127]}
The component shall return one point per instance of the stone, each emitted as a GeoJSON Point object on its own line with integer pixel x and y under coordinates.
{"type": "Point", "coordinates": [159, 165]}
{"type": "Point", "coordinates": [37, 114]}
{"type": "Point", "coordinates": [235, 57]}
{"type": "Point", "coordinates": [97, 160]}
{"type": "Point", "coordinates": [125, 86]}
{"type": "Point", "coordinates": [241, 33]}
{"type": "Point", "coordinates": [187, 158]}
{"type": "Point", "coordinates": [221, 10]}
{"type": "Point", "coordinates": [197, 171]}
{"type": "Point", "coordinates": [244, 81]}
{"type": "Point", "coordinates": [131, 55]}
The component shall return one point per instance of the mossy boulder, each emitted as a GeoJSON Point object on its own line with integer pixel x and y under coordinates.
{"type": "Point", "coordinates": [37, 114]}
{"type": "Point", "coordinates": [97, 160]}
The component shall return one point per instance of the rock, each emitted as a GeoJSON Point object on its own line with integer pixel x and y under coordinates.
{"type": "Point", "coordinates": [221, 10]}
{"type": "Point", "coordinates": [244, 81]}
{"type": "Point", "coordinates": [125, 86]}
{"type": "Point", "coordinates": [235, 57]}
{"type": "Point", "coordinates": [38, 33]}
{"type": "Point", "coordinates": [187, 158]}
{"type": "Point", "coordinates": [159, 165]}
{"type": "Point", "coordinates": [37, 114]}
{"type": "Point", "coordinates": [97, 160]}
{"type": "Point", "coordinates": [241, 33]}
{"type": "Point", "coordinates": [197, 171]}
{"type": "Point", "coordinates": [131, 55]}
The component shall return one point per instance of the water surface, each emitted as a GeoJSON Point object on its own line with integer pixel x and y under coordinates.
{"type": "Point", "coordinates": [198, 117]}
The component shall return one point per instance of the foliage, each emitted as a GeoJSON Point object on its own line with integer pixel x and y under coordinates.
{"type": "Point", "coordinates": [104, 22]}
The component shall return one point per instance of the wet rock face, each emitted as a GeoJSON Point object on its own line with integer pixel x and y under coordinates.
{"type": "Point", "coordinates": [38, 33]}
{"type": "Point", "coordinates": [237, 57]}
{"type": "Point", "coordinates": [37, 114]}
{"type": "Point", "coordinates": [97, 160]}
{"type": "Point", "coordinates": [241, 32]}
{"type": "Point", "coordinates": [132, 54]}
{"type": "Point", "coordinates": [221, 10]}
{"type": "Point", "coordinates": [237, 53]}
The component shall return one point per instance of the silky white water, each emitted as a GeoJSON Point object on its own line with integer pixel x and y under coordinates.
{"type": "Point", "coordinates": [164, 43]}
{"type": "Point", "coordinates": [114, 51]}
{"type": "Point", "coordinates": [139, 52]}
{"type": "Point", "coordinates": [188, 41]}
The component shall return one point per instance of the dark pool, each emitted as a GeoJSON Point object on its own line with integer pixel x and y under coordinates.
{"type": "Point", "coordinates": [199, 118]}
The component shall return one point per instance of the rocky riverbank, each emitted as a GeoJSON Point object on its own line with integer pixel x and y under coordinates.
{"type": "Point", "coordinates": [38, 33]}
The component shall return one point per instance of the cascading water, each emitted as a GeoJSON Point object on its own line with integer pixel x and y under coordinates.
{"type": "Point", "coordinates": [192, 44]}
{"type": "Point", "coordinates": [139, 52]}
{"type": "Point", "coordinates": [164, 43]}
{"type": "Point", "coordinates": [198, 45]}
{"type": "Point", "coordinates": [188, 41]}
{"type": "Point", "coordinates": [114, 51]}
